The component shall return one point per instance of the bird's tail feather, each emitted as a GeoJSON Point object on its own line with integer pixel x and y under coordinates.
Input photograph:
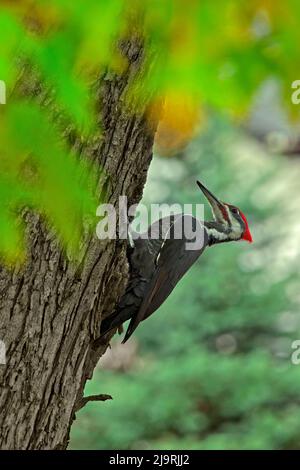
{"type": "Point", "coordinates": [109, 323]}
{"type": "Point", "coordinates": [121, 315]}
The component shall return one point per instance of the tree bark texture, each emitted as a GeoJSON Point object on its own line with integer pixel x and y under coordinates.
{"type": "Point", "coordinates": [50, 309]}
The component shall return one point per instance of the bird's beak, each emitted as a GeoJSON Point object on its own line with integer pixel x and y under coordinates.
{"type": "Point", "coordinates": [217, 206]}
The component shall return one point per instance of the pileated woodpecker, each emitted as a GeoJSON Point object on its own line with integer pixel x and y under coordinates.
{"type": "Point", "coordinates": [159, 262]}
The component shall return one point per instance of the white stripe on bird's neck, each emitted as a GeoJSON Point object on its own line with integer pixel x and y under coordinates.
{"type": "Point", "coordinates": [214, 234]}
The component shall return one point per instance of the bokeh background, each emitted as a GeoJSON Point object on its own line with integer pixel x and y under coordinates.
{"type": "Point", "coordinates": [212, 369]}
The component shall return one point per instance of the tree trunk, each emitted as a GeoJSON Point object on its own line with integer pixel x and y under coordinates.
{"type": "Point", "coordinates": [51, 310]}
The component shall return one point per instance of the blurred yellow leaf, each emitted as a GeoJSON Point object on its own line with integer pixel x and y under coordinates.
{"type": "Point", "coordinates": [180, 117]}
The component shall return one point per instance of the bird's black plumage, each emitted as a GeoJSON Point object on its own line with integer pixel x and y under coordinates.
{"type": "Point", "coordinates": [157, 264]}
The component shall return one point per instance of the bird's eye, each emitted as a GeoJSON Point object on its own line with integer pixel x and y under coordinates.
{"type": "Point", "coordinates": [235, 210]}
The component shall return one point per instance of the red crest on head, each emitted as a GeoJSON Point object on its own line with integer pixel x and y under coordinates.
{"type": "Point", "coordinates": [246, 235]}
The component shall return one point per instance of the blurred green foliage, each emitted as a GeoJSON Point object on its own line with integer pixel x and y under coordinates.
{"type": "Point", "coordinates": [216, 55]}
{"type": "Point", "coordinates": [213, 368]}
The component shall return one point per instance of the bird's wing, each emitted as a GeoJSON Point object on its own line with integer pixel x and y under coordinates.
{"type": "Point", "coordinates": [173, 261]}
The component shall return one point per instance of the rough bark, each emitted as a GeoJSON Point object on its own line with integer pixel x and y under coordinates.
{"type": "Point", "coordinates": [51, 310]}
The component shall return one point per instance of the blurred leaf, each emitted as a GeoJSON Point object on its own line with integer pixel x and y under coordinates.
{"type": "Point", "coordinates": [60, 187]}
